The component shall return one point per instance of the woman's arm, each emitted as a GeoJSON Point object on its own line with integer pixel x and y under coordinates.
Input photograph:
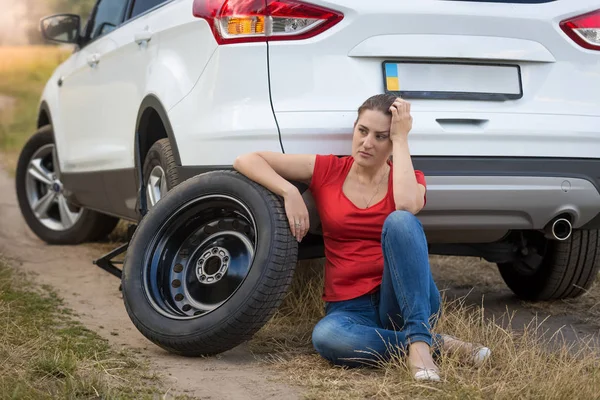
{"type": "Point", "coordinates": [274, 171]}
{"type": "Point", "coordinates": [409, 195]}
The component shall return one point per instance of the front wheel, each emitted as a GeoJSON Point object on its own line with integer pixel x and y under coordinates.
{"type": "Point", "coordinates": [209, 264]}
{"type": "Point", "coordinates": [43, 204]}
{"type": "Point", "coordinates": [556, 269]}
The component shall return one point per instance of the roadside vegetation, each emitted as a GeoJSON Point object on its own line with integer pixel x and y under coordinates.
{"type": "Point", "coordinates": [47, 354]}
{"type": "Point", "coordinates": [24, 70]}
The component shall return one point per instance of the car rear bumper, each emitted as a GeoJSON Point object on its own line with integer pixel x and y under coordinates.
{"type": "Point", "coordinates": [503, 193]}
{"type": "Point", "coordinates": [498, 194]}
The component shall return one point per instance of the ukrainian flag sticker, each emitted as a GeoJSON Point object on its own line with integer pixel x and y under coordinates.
{"type": "Point", "coordinates": [391, 77]}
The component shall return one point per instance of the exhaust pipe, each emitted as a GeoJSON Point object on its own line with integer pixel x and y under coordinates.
{"type": "Point", "coordinates": [558, 229]}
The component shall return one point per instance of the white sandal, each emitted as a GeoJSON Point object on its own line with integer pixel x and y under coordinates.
{"type": "Point", "coordinates": [480, 354]}
{"type": "Point", "coordinates": [427, 374]}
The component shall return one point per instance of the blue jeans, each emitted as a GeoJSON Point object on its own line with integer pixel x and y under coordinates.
{"type": "Point", "coordinates": [406, 306]}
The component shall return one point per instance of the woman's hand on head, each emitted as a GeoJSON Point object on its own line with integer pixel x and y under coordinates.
{"type": "Point", "coordinates": [401, 119]}
{"type": "Point", "coordinates": [297, 213]}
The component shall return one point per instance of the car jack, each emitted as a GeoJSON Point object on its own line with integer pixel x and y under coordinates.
{"type": "Point", "coordinates": [106, 261]}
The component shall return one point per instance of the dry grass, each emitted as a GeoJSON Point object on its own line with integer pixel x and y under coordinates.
{"type": "Point", "coordinates": [522, 366]}
{"type": "Point", "coordinates": [24, 70]}
{"type": "Point", "coordinates": [470, 273]}
{"type": "Point", "coordinates": [47, 354]}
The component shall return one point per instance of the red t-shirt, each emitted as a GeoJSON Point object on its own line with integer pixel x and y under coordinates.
{"type": "Point", "coordinates": [352, 236]}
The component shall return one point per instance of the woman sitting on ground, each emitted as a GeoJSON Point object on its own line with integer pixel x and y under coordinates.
{"type": "Point", "coordinates": [379, 293]}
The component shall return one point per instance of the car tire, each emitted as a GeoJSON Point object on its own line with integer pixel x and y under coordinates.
{"type": "Point", "coordinates": [209, 264]}
{"type": "Point", "coordinates": [37, 179]}
{"type": "Point", "coordinates": [566, 269]}
{"type": "Point", "coordinates": [160, 171]}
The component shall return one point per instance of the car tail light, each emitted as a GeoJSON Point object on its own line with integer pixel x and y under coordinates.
{"type": "Point", "coordinates": [584, 30]}
{"type": "Point", "coordinates": [236, 21]}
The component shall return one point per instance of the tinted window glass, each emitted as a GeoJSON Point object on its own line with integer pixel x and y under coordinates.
{"type": "Point", "coordinates": [141, 6]}
{"type": "Point", "coordinates": [109, 15]}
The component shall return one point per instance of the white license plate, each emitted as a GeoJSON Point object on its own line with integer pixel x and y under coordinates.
{"type": "Point", "coordinates": [454, 81]}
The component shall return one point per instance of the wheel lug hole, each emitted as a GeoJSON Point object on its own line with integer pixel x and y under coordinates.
{"type": "Point", "coordinates": [218, 276]}
{"type": "Point", "coordinates": [202, 278]}
{"type": "Point", "coordinates": [186, 307]}
{"type": "Point", "coordinates": [178, 268]}
{"type": "Point", "coordinates": [176, 283]}
{"type": "Point", "coordinates": [225, 259]}
{"type": "Point", "coordinates": [214, 251]}
{"type": "Point", "coordinates": [178, 297]}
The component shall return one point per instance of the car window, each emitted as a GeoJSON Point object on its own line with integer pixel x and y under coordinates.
{"type": "Point", "coordinates": [141, 6]}
{"type": "Point", "coordinates": [108, 16]}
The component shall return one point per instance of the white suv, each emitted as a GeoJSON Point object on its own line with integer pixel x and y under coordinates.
{"type": "Point", "coordinates": [160, 97]}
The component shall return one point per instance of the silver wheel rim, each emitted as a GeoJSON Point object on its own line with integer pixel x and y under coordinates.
{"type": "Point", "coordinates": [156, 187]}
{"type": "Point", "coordinates": [45, 191]}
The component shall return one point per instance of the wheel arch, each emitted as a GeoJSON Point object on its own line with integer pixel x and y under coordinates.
{"type": "Point", "coordinates": [152, 124]}
{"type": "Point", "coordinates": [44, 115]}
{"type": "Point", "coordinates": [151, 111]}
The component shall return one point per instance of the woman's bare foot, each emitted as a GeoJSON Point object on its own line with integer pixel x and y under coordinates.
{"type": "Point", "coordinates": [421, 362]}
{"type": "Point", "coordinates": [468, 352]}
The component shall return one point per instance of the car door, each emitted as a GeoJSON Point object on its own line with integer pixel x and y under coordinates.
{"type": "Point", "coordinates": [84, 90]}
{"type": "Point", "coordinates": [127, 68]}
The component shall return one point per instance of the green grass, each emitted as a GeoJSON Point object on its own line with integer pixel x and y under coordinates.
{"type": "Point", "coordinates": [23, 73]}
{"type": "Point", "coordinates": [47, 354]}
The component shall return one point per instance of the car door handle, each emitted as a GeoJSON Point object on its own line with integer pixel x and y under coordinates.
{"type": "Point", "coordinates": [142, 37]}
{"type": "Point", "coordinates": [93, 60]}
{"type": "Point", "coordinates": [462, 124]}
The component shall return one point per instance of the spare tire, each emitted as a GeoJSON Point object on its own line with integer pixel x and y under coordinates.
{"type": "Point", "coordinates": [209, 264]}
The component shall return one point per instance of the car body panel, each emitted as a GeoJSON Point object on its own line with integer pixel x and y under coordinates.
{"type": "Point", "coordinates": [336, 71]}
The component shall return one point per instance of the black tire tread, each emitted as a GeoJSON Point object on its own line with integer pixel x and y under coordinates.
{"type": "Point", "coordinates": [161, 151]}
{"type": "Point", "coordinates": [577, 262]}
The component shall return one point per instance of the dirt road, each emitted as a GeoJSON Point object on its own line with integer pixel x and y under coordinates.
{"type": "Point", "coordinates": [94, 295]}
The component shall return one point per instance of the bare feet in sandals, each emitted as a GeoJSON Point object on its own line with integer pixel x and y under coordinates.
{"type": "Point", "coordinates": [421, 362]}
{"type": "Point", "coordinates": [471, 353]}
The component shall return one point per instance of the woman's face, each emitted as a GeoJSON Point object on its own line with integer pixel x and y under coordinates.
{"type": "Point", "coordinates": [371, 144]}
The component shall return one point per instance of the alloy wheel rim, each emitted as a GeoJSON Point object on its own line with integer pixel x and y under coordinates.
{"type": "Point", "coordinates": [45, 191]}
{"type": "Point", "coordinates": [156, 188]}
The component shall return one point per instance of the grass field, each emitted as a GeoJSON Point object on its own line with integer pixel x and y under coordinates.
{"type": "Point", "coordinates": [47, 354]}
{"type": "Point", "coordinates": [23, 74]}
